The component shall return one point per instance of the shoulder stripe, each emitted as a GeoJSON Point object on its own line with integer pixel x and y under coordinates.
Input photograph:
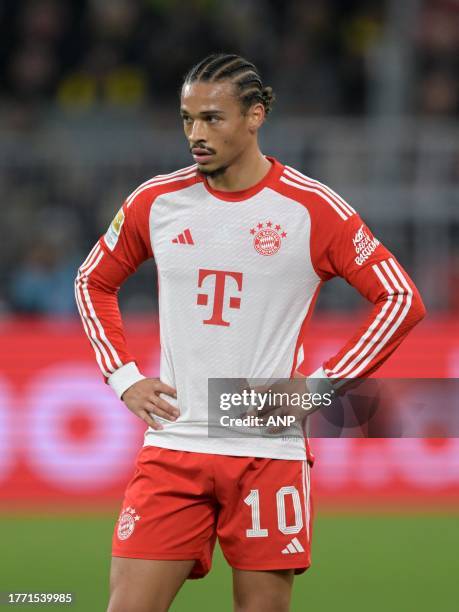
{"type": "Point", "coordinates": [304, 187]}
{"type": "Point", "coordinates": [156, 181]}
{"type": "Point", "coordinates": [309, 181]}
{"type": "Point", "coordinates": [187, 169]}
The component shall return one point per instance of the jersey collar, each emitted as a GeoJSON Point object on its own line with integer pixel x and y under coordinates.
{"type": "Point", "coordinates": [268, 180]}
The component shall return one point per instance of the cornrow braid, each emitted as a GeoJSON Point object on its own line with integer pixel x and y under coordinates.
{"type": "Point", "coordinates": [244, 75]}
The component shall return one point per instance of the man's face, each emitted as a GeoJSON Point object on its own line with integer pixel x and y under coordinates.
{"type": "Point", "coordinates": [214, 124]}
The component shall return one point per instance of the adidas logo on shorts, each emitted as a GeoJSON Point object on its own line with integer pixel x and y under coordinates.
{"type": "Point", "coordinates": [294, 546]}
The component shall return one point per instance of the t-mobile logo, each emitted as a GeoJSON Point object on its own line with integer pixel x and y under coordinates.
{"type": "Point", "coordinates": [219, 294]}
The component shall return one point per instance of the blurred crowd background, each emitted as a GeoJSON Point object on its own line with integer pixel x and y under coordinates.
{"type": "Point", "coordinates": [367, 102]}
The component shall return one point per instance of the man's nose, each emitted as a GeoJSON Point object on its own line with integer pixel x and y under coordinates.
{"type": "Point", "coordinates": [198, 132]}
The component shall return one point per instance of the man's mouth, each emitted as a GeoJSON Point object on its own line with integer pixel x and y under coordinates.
{"type": "Point", "coordinates": [200, 155]}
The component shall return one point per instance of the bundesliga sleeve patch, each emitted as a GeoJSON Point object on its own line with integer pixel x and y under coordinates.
{"type": "Point", "coordinates": [113, 232]}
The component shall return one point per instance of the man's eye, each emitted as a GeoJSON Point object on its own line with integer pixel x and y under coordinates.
{"type": "Point", "coordinates": [212, 119]}
{"type": "Point", "coordinates": [186, 119]}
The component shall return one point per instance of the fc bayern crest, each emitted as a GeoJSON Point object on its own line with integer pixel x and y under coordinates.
{"type": "Point", "coordinates": [126, 523]}
{"type": "Point", "coordinates": [267, 238]}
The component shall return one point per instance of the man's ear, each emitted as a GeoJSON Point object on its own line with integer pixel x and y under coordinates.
{"type": "Point", "coordinates": [256, 116]}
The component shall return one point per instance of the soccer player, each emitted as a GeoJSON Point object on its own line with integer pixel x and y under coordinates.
{"type": "Point", "coordinates": [242, 244]}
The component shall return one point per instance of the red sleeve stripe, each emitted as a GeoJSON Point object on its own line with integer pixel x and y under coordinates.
{"type": "Point", "coordinates": [101, 344]}
{"type": "Point", "coordinates": [389, 326]}
{"type": "Point", "coordinates": [305, 187]}
{"type": "Point", "coordinates": [159, 181]}
{"type": "Point", "coordinates": [347, 207]}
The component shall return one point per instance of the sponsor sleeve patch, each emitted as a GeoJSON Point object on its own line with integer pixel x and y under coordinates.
{"type": "Point", "coordinates": [364, 244]}
{"type": "Point", "coordinates": [113, 232]}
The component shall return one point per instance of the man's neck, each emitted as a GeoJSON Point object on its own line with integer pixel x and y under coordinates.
{"type": "Point", "coordinates": [242, 174]}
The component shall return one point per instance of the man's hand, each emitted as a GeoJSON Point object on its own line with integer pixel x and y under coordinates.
{"type": "Point", "coordinates": [277, 409]}
{"type": "Point", "coordinates": [142, 398]}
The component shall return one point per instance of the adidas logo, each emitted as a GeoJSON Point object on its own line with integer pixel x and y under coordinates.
{"type": "Point", "coordinates": [294, 546]}
{"type": "Point", "coordinates": [184, 238]}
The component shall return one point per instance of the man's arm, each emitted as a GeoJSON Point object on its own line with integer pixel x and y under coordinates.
{"type": "Point", "coordinates": [347, 248]}
{"type": "Point", "coordinates": [116, 256]}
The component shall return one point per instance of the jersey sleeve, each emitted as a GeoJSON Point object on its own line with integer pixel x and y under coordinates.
{"type": "Point", "coordinates": [343, 245]}
{"type": "Point", "coordinates": [115, 256]}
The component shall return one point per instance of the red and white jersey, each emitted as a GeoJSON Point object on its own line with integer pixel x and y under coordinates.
{"type": "Point", "coordinates": [238, 276]}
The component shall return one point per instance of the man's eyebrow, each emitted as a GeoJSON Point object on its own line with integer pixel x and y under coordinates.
{"type": "Point", "coordinates": [210, 111]}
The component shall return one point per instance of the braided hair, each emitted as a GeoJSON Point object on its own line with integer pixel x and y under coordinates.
{"type": "Point", "coordinates": [244, 75]}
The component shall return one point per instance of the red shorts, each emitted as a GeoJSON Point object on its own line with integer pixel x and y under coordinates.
{"type": "Point", "coordinates": [178, 502]}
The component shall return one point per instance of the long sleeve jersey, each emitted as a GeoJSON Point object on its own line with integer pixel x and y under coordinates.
{"type": "Point", "coordinates": [238, 276]}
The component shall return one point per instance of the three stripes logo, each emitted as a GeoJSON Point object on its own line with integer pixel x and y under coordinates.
{"type": "Point", "coordinates": [184, 238]}
{"type": "Point", "coordinates": [293, 547]}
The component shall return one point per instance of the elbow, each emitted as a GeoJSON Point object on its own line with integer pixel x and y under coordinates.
{"type": "Point", "coordinates": [77, 277]}
{"type": "Point", "coordinates": [422, 311]}
{"type": "Point", "coordinates": [418, 309]}
{"type": "Point", "coordinates": [76, 287]}
{"type": "Point", "coordinates": [78, 283]}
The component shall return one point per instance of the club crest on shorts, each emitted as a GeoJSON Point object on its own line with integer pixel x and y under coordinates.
{"type": "Point", "coordinates": [267, 237]}
{"type": "Point", "coordinates": [126, 523]}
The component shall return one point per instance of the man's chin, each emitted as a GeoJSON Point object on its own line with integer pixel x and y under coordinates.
{"type": "Point", "coordinates": [211, 170]}
{"type": "Point", "coordinates": [206, 168]}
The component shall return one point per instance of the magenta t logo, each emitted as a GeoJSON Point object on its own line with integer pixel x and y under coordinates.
{"type": "Point", "coordinates": [219, 294]}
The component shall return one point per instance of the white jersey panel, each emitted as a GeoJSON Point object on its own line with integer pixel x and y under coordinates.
{"type": "Point", "coordinates": [235, 284]}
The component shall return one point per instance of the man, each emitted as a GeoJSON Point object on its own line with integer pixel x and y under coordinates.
{"type": "Point", "coordinates": [242, 244]}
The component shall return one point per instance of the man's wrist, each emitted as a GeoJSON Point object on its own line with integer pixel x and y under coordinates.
{"type": "Point", "coordinates": [319, 382]}
{"type": "Point", "coordinates": [125, 377]}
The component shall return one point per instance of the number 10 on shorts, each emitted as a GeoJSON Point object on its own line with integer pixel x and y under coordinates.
{"type": "Point", "coordinates": [253, 500]}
